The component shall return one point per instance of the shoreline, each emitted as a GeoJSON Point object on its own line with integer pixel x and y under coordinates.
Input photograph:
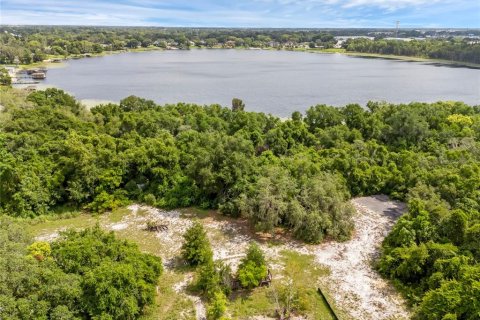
{"type": "Point", "coordinates": [415, 59]}
{"type": "Point", "coordinates": [48, 63]}
{"type": "Point", "coordinates": [397, 58]}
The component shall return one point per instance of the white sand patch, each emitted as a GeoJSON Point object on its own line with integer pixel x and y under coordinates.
{"type": "Point", "coordinates": [353, 283]}
{"type": "Point", "coordinates": [119, 226]}
{"type": "Point", "coordinates": [172, 237]}
{"type": "Point", "coordinates": [47, 237]}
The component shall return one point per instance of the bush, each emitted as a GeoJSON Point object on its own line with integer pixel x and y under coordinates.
{"type": "Point", "coordinates": [5, 79]}
{"type": "Point", "coordinates": [196, 247]}
{"type": "Point", "coordinates": [217, 306]}
{"type": "Point", "coordinates": [40, 250]}
{"type": "Point", "coordinates": [252, 269]}
{"type": "Point", "coordinates": [208, 279]}
{"type": "Point", "coordinates": [117, 279]}
{"type": "Point", "coordinates": [90, 275]}
{"type": "Point", "coordinates": [150, 199]}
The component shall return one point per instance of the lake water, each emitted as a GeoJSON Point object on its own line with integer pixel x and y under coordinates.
{"type": "Point", "coordinates": [277, 82]}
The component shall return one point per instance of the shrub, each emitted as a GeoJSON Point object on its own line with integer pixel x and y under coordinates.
{"type": "Point", "coordinates": [208, 279]}
{"type": "Point", "coordinates": [217, 306]}
{"type": "Point", "coordinates": [196, 247]}
{"type": "Point", "coordinates": [117, 279]}
{"type": "Point", "coordinates": [252, 268]}
{"type": "Point", "coordinates": [40, 250]}
{"type": "Point", "coordinates": [150, 199]}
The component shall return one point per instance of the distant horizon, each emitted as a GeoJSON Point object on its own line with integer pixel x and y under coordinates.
{"type": "Point", "coordinates": [261, 14]}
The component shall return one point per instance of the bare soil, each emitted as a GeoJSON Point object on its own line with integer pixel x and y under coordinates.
{"type": "Point", "coordinates": [353, 284]}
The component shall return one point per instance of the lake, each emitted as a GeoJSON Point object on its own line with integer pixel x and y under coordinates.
{"type": "Point", "coordinates": [277, 82]}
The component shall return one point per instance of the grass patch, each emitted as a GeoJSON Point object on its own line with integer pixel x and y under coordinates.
{"type": "Point", "coordinates": [118, 214]}
{"type": "Point", "coordinates": [54, 223]}
{"type": "Point", "coordinates": [329, 50]}
{"type": "Point", "coordinates": [170, 305]}
{"type": "Point", "coordinates": [304, 274]}
{"type": "Point", "coordinates": [302, 268]}
{"type": "Point", "coordinates": [196, 212]}
{"type": "Point", "coordinates": [247, 304]}
{"type": "Point", "coordinates": [146, 241]}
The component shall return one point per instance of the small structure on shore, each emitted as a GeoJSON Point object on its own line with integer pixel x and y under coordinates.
{"type": "Point", "coordinates": [30, 88]}
{"type": "Point", "coordinates": [39, 75]}
{"type": "Point", "coordinates": [36, 70]}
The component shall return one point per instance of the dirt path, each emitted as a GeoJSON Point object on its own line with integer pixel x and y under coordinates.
{"type": "Point", "coordinates": [353, 283]}
{"type": "Point", "coordinates": [180, 287]}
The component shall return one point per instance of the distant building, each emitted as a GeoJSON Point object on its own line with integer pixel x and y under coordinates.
{"type": "Point", "coordinates": [229, 44]}
{"type": "Point", "coordinates": [353, 37]}
{"type": "Point", "coordinates": [273, 44]}
{"type": "Point", "coordinates": [404, 39]}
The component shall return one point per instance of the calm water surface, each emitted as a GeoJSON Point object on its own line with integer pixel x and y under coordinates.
{"type": "Point", "coordinates": [277, 82]}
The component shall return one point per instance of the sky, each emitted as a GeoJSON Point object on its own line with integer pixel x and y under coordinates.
{"type": "Point", "coordinates": [247, 13]}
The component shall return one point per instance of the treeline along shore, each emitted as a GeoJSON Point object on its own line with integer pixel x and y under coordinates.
{"type": "Point", "coordinates": [32, 44]}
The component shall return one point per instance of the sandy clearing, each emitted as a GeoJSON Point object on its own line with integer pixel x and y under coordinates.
{"type": "Point", "coordinates": [48, 237]}
{"type": "Point", "coordinates": [353, 284]}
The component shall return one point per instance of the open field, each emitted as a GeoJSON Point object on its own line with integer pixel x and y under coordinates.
{"type": "Point", "coordinates": [342, 270]}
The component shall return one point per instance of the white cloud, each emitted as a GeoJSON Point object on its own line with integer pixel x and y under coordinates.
{"type": "Point", "coordinates": [390, 4]}
{"type": "Point", "coordinates": [245, 13]}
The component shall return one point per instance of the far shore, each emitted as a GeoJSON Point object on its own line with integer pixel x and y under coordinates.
{"type": "Point", "coordinates": [393, 57]}
{"type": "Point", "coordinates": [49, 64]}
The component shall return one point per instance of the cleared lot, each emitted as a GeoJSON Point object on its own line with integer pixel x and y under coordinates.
{"type": "Point", "coordinates": [347, 276]}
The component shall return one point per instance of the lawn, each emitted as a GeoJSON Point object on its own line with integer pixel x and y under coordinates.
{"type": "Point", "coordinates": [299, 276]}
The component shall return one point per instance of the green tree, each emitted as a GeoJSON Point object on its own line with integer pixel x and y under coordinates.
{"type": "Point", "coordinates": [117, 280]}
{"type": "Point", "coordinates": [455, 227]}
{"type": "Point", "coordinates": [253, 268]}
{"type": "Point", "coordinates": [112, 289]}
{"type": "Point", "coordinates": [217, 306]}
{"type": "Point", "coordinates": [237, 105]}
{"type": "Point", "coordinates": [196, 247]}
{"type": "Point", "coordinates": [5, 79]}
{"type": "Point", "coordinates": [322, 116]}
{"type": "Point", "coordinates": [208, 281]}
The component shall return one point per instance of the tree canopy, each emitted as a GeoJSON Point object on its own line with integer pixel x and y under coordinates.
{"type": "Point", "coordinates": [297, 174]}
{"type": "Point", "coordinates": [83, 275]}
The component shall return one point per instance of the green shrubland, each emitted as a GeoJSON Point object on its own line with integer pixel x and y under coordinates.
{"type": "Point", "coordinates": [82, 275]}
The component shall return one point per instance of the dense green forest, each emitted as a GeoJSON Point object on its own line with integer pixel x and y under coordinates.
{"type": "Point", "coordinates": [36, 43]}
{"type": "Point", "coordinates": [82, 275]}
{"type": "Point", "coordinates": [454, 50]}
{"type": "Point", "coordinates": [297, 174]}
